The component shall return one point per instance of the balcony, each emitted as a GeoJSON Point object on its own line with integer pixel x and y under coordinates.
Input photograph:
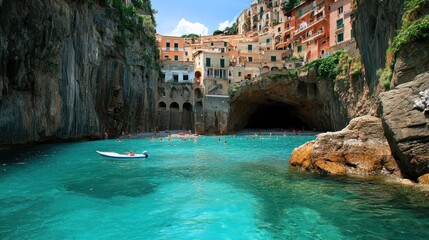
{"type": "Point", "coordinates": [339, 28]}
{"type": "Point", "coordinates": [301, 30]}
{"type": "Point", "coordinates": [306, 14]}
{"type": "Point", "coordinates": [314, 36]}
{"type": "Point", "coordinates": [288, 30]}
{"type": "Point", "coordinates": [284, 44]}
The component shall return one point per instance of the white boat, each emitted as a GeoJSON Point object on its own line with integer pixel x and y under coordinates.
{"type": "Point", "coordinates": [118, 155]}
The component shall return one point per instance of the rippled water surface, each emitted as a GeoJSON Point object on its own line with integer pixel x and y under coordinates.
{"type": "Point", "coordinates": [195, 190]}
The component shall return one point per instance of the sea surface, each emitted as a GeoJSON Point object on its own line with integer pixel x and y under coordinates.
{"type": "Point", "coordinates": [209, 189]}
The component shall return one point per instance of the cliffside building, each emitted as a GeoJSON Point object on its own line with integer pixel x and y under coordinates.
{"type": "Point", "coordinates": [270, 39]}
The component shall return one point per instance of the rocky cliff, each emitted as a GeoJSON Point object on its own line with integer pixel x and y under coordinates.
{"type": "Point", "coordinates": [73, 70]}
{"type": "Point", "coordinates": [406, 126]}
{"type": "Point", "coordinates": [375, 25]}
{"type": "Point", "coordinates": [404, 111]}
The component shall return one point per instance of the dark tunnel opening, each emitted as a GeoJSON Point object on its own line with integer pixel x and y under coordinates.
{"type": "Point", "coordinates": [276, 116]}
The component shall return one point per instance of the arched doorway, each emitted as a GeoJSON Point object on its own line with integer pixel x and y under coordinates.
{"type": "Point", "coordinates": [162, 106]}
{"type": "Point", "coordinates": [198, 92]}
{"type": "Point", "coordinates": [174, 106]}
{"type": "Point", "coordinates": [187, 107]}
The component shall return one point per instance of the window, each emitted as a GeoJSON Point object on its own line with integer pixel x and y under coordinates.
{"type": "Point", "coordinates": [239, 74]}
{"type": "Point", "coordinates": [352, 34]}
{"type": "Point", "coordinates": [268, 40]}
{"type": "Point", "coordinates": [340, 10]}
{"type": "Point", "coordinates": [186, 53]}
{"type": "Point", "coordinates": [300, 13]}
{"type": "Point", "coordinates": [273, 59]}
{"type": "Point", "coordinates": [208, 63]}
{"type": "Point", "coordinates": [211, 44]}
{"type": "Point", "coordinates": [249, 48]}
{"type": "Point", "coordinates": [176, 57]}
{"type": "Point", "coordinates": [225, 44]}
{"type": "Point", "coordinates": [340, 23]}
{"type": "Point", "coordinates": [167, 45]}
{"type": "Point", "coordinates": [279, 29]}
{"type": "Point", "coordinates": [185, 77]}
{"type": "Point", "coordinates": [166, 56]}
{"type": "Point", "coordinates": [176, 46]}
{"type": "Point", "coordinates": [175, 78]}
{"type": "Point", "coordinates": [299, 48]}
{"type": "Point", "coordinates": [222, 63]}
{"type": "Point", "coordinates": [250, 59]}
{"type": "Point", "coordinates": [340, 37]}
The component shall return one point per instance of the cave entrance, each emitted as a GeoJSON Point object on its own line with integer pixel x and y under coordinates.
{"type": "Point", "coordinates": [276, 116]}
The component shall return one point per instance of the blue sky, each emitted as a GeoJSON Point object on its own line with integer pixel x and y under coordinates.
{"type": "Point", "coordinates": [178, 17]}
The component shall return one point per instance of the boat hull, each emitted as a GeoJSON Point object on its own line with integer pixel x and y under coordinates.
{"type": "Point", "coordinates": [121, 156]}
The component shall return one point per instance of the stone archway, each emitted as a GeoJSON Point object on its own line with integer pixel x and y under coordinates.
{"type": "Point", "coordinates": [299, 103]}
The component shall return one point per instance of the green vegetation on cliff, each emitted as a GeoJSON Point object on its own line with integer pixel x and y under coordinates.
{"type": "Point", "coordinates": [135, 18]}
{"type": "Point", "coordinates": [289, 5]}
{"type": "Point", "coordinates": [415, 26]}
{"type": "Point", "coordinates": [328, 67]}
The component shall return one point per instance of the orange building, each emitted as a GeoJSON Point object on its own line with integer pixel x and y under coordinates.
{"type": "Point", "coordinates": [171, 48]}
{"type": "Point", "coordinates": [340, 12]}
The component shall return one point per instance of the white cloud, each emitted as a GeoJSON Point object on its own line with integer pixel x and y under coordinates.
{"type": "Point", "coordinates": [186, 27]}
{"type": "Point", "coordinates": [224, 25]}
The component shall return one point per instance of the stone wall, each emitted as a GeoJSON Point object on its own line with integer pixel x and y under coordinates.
{"type": "Point", "coordinates": [216, 111]}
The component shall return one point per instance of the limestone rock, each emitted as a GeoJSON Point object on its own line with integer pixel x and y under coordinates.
{"type": "Point", "coordinates": [424, 179]}
{"type": "Point", "coordinates": [412, 60]}
{"type": "Point", "coordinates": [65, 74]}
{"type": "Point", "coordinates": [407, 128]}
{"type": "Point", "coordinates": [358, 149]}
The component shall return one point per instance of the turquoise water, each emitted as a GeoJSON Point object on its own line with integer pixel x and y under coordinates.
{"type": "Point", "coordinates": [196, 190]}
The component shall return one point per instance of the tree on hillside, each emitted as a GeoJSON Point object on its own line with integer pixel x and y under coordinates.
{"type": "Point", "coordinates": [231, 30]}
{"type": "Point", "coordinates": [289, 5]}
{"type": "Point", "coordinates": [191, 35]}
{"type": "Point", "coordinates": [217, 32]}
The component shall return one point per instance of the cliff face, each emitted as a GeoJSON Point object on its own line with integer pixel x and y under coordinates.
{"type": "Point", "coordinates": [66, 74]}
{"type": "Point", "coordinates": [375, 26]}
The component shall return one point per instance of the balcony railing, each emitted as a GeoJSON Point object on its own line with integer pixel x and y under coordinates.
{"type": "Point", "coordinates": [339, 28]}
{"type": "Point", "coordinates": [314, 36]}
{"type": "Point", "coordinates": [300, 30]}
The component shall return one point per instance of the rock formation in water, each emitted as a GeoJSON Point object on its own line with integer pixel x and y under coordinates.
{"type": "Point", "coordinates": [73, 70]}
{"type": "Point", "coordinates": [407, 128]}
{"type": "Point", "coordinates": [359, 149]}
